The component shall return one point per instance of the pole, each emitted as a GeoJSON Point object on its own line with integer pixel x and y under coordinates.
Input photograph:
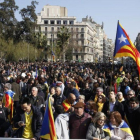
{"type": "Point", "coordinates": [35, 53]}
{"type": "Point", "coordinates": [52, 47]}
{"type": "Point", "coordinates": [28, 54]}
{"type": "Point", "coordinates": [52, 42]}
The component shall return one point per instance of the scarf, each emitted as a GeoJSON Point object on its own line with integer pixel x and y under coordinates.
{"type": "Point", "coordinates": [96, 97]}
{"type": "Point", "coordinates": [123, 126]}
{"type": "Point", "coordinates": [121, 100]}
{"type": "Point", "coordinates": [100, 106]}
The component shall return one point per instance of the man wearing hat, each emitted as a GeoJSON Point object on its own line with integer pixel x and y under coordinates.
{"type": "Point", "coordinates": [79, 122]}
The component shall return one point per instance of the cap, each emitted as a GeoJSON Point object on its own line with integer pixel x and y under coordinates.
{"type": "Point", "coordinates": [68, 82]}
{"type": "Point", "coordinates": [79, 104]}
{"type": "Point", "coordinates": [58, 83]}
{"type": "Point", "coordinates": [123, 72]}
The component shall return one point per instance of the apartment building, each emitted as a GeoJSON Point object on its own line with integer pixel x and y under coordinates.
{"type": "Point", "coordinates": [87, 34]}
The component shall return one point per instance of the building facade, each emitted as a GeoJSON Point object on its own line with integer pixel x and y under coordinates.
{"type": "Point", "coordinates": [108, 50]}
{"type": "Point", "coordinates": [87, 34]}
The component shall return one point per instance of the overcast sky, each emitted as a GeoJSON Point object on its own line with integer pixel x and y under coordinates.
{"type": "Point", "coordinates": [107, 11]}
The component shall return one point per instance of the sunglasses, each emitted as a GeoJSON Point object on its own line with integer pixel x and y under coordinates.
{"type": "Point", "coordinates": [101, 120]}
{"type": "Point", "coordinates": [130, 94]}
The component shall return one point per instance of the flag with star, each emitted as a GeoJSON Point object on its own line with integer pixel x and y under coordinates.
{"type": "Point", "coordinates": [124, 46]}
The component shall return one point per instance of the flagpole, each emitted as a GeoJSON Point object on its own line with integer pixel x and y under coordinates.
{"type": "Point", "coordinates": [122, 60]}
{"type": "Point", "coordinates": [113, 57]}
{"type": "Point", "coordinates": [113, 65]}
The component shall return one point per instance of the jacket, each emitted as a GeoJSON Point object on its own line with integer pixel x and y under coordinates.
{"type": "Point", "coordinates": [36, 122]}
{"type": "Point", "coordinates": [92, 132]}
{"type": "Point", "coordinates": [58, 99]}
{"type": "Point", "coordinates": [61, 126]}
{"type": "Point", "coordinates": [117, 107]}
{"type": "Point", "coordinates": [79, 125]}
{"type": "Point", "coordinates": [16, 89]}
{"type": "Point", "coordinates": [38, 101]}
{"type": "Point", "coordinates": [133, 117]}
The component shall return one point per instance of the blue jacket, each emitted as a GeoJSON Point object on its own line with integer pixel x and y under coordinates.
{"type": "Point", "coordinates": [36, 122]}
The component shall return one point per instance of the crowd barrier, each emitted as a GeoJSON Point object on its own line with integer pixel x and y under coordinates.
{"type": "Point", "coordinates": [1, 138]}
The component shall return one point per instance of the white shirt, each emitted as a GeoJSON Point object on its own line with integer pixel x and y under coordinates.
{"type": "Point", "coordinates": [111, 106]}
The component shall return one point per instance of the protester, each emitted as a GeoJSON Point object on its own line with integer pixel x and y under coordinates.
{"type": "Point", "coordinates": [16, 89]}
{"type": "Point", "coordinates": [133, 115]}
{"type": "Point", "coordinates": [113, 105]}
{"type": "Point", "coordinates": [81, 98]}
{"type": "Point", "coordinates": [100, 102]}
{"type": "Point", "coordinates": [62, 125]}
{"type": "Point", "coordinates": [28, 120]}
{"type": "Point", "coordinates": [99, 91]}
{"type": "Point", "coordinates": [95, 81]}
{"type": "Point", "coordinates": [95, 130]}
{"type": "Point", "coordinates": [74, 90]}
{"type": "Point", "coordinates": [120, 97]}
{"type": "Point", "coordinates": [58, 97]}
{"type": "Point", "coordinates": [69, 102]}
{"type": "Point", "coordinates": [119, 128]}
{"type": "Point", "coordinates": [35, 99]}
{"type": "Point", "coordinates": [4, 122]}
{"type": "Point", "coordinates": [79, 122]}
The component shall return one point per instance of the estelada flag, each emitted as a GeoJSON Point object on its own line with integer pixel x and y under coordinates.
{"type": "Point", "coordinates": [48, 127]}
{"type": "Point", "coordinates": [124, 46]}
{"type": "Point", "coordinates": [8, 102]}
{"type": "Point", "coordinates": [123, 126]}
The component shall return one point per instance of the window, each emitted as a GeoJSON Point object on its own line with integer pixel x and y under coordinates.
{"type": "Point", "coordinates": [76, 35]}
{"type": "Point", "coordinates": [52, 21]}
{"type": "Point", "coordinates": [58, 28]}
{"type": "Point", "coordinates": [82, 57]}
{"type": "Point", "coordinates": [40, 29]}
{"type": "Point", "coordinates": [82, 29]}
{"type": "Point", "coordinates": [76, 57]}
{"type": "Point", "coordinates": [52, 28]}
{"type": "Point", "coordinates": [65, 22]}
{"type": "Point", "coordinates": [45, 21]}
{"type": "Point", "coordinates": [71, 29]}
{"type": "Point", "coordinates": [82, 35]}
{"type": "Point", "coordinates": [45, 29]}
{"type": "Point", "coordinates": [77, 29]}
{"type": "Point", "coordinates": [71, 22]}
{"type": "Point", "coordinates": [37, 28]}
{"type": "Point", "coordinates": [59, 22]}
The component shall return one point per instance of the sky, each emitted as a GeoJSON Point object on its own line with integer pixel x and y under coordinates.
{"type": "Point", "coordinates": [107, 11]}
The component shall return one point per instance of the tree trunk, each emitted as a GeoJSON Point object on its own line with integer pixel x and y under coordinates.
{"type": "Point", "coordinates": [63, 55]}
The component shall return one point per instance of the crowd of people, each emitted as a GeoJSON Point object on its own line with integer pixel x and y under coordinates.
{"type": "Point", "coordinates": [89, 101]}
